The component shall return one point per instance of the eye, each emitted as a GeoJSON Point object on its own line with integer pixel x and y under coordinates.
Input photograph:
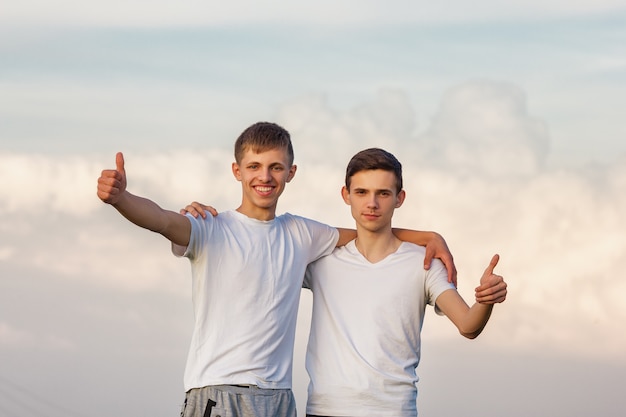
{"type": "Point", "coordinates": [253, 166]}
{"type": "Point", "coordinates": [277, 168]}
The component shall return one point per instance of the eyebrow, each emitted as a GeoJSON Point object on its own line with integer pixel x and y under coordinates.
{"type": "Point", "coordinates": [270, 164]}
{"type": "Point", "coordinates": [377, 190]}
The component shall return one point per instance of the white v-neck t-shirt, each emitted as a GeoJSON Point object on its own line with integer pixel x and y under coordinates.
{"type": "Point", "coordinates": [367, 317]}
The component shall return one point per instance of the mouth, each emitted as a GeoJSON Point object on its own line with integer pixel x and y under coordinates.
{"type": "Point", "coordinates": [370, 216]}
{"type": "Point", "coordinates": [263, 189]}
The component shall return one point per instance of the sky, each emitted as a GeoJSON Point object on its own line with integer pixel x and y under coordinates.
{"type": "Point", "coordinates": [508, 119]}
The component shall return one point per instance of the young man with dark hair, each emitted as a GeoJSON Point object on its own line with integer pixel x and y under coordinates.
{"type": "Point", "coordinates": [369, 299]}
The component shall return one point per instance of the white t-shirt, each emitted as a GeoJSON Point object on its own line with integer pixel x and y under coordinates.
{"type": "Point", "coordinates": [364, 343]}
{"type": "Point", "coordinates": [246, 281]}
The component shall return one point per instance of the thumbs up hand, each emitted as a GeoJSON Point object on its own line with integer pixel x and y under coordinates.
{"type": "Point", "coordinates": [112, 182]}
{"type": "Point", "coordinates": [492, 288]}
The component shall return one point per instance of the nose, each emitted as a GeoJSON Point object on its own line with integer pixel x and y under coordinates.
{"type": "Point", "coordinates": [372, 202]}
{"type": "Point", "coordinates": [264, 175]}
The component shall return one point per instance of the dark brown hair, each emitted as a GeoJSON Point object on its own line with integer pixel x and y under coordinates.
{"type": "Point", "coordinates": [374, 158]}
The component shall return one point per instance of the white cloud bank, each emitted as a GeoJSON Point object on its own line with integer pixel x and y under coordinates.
{"type": "Point", "coordinates": [479, 180]}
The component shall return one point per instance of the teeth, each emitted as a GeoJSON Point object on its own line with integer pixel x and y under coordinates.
{"type": "Point", "coordinates": [264, 189]}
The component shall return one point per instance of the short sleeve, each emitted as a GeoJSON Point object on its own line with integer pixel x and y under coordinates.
{"type": "Point", "coordinates": [199, 227]}
{"type": "Point", "coordinates": [436, 283]}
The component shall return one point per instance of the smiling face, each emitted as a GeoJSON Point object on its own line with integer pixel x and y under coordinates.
{"type": "Point", "coordinates": [373, 198]}
{"type": "Point", "coordinates": [263, 177]}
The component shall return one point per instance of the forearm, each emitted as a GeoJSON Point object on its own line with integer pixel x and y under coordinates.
{"type": "Point", "coordinates": [345, 236]}
{"type": "Point", "coordinates": [475, 320]}
{"type": "Point", "coordinates": [149, 215]}
{"type": "Point", "coordinates": [414, 236]}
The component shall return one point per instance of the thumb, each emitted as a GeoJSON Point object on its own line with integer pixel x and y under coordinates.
{"type": "Point", "coordinates": [119, 163]}
{"type": "Point", "coordinates": [492, 265]}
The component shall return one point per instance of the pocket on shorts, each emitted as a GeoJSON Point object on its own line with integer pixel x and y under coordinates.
{"type": "Point", "coordinates": [218, 412]}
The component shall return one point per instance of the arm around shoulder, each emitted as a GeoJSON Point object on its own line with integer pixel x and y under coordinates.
{"type": "Point", "coordinates": [345, 236]}
{"type": "Point", "coordinates": [436, 247]}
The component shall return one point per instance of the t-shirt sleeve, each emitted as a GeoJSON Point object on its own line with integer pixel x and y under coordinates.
{"type": "Point", "coordinates": [324, 238]}
{"type": "Point", "coordinates": [199, 227]}
{"type": "Point", "coordinates": [436, 283]}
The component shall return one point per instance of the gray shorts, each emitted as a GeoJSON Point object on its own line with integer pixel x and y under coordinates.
{"type": "Point", "coordinates": [238, 401]}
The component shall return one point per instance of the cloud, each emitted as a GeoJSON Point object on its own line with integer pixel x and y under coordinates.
{"type": "Point", "coordinates": [67, 183]}
{"type": "Point", "coordinates": [325, 135]}
{"type": "Point", "coordinates": [560, 232]}
{"type": "Point", "coordinates": [45, 183]}
{"type": "Point", "coordinates": [561, 240]}
{"type": "Point", "coordinates": [161, 13]}
{"type": "Point", "coordinates": [54, 199]}
{"type": "Point", "coordinates": [484, 128]}
{"type": "Point", "coordinates": [480, 128]}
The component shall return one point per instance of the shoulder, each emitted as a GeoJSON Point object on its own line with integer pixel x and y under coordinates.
{"type": "Point", "coordinates": [208, 220]}
{"type": "Point", "coordinates": [412, 247]}
{"type": "Point", "coordinates": [288, 217]}
{"type": "Point", "coordinates": [408, 249]}
{"type": "Point", "coordinates": [414, 254]}
{"type": "Point", "coordinates": [437, 275]}
{"type": "Point", "coordinates": [319, 237]}
{"type": "Point", "coordinates": [300, 221]}
{"type": "Point", "coordinates": [225, 220]}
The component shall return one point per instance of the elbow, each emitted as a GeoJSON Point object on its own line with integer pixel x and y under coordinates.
{"type": "Point", "coordinates": [475, 323]}
{"type": "Point", "coordinates": [471, 333]}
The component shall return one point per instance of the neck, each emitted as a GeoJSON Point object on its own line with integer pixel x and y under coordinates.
{"type": "Point", "coordinates": [258, 213]}
{"type": "Point", "coordinates": [376, 246]}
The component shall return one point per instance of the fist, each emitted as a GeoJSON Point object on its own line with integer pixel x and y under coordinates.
{"type": "Point", "coordinates": [492, 287]}
{"type": "Point", "coordinates": [112, 182]}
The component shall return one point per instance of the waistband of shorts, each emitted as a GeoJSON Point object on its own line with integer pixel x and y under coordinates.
{"type": "Point", "coordinates": [243, 389]}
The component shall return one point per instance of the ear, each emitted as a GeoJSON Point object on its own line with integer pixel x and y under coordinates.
{"type": "Point", "coordinates": [236, 171]}
{"type": "Point", "coordinates": [400, 198]}
{"type": "Point", "coordinates": [292, 172]}
{"type": "Point", "coordinates": [345, 193]}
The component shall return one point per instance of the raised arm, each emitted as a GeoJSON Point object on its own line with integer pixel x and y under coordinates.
{"type": "Point", "coordinates": [141, 211]}
{"type": "Point", "coordinates": [472, 320]}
